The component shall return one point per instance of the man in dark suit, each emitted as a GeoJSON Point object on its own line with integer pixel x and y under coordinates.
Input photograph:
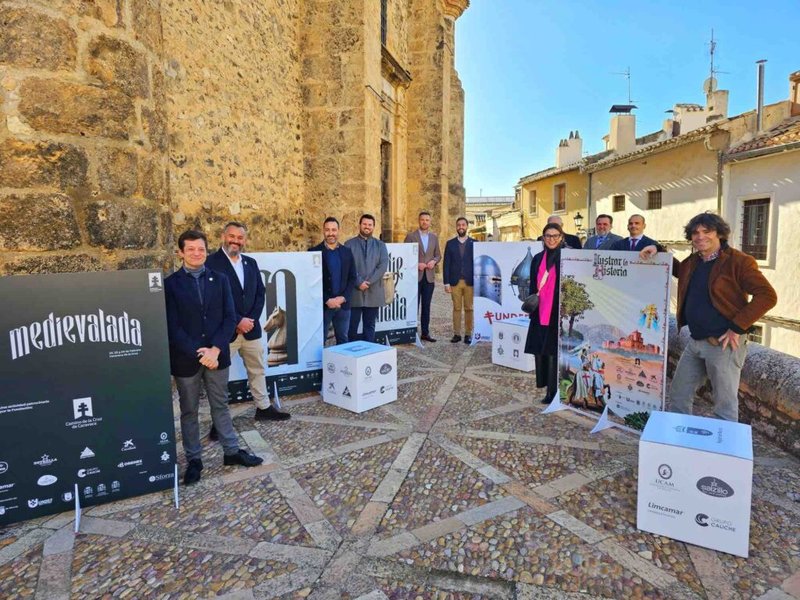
{"type": "Point", "coordinates": [636, 240]}
{"type": "Point", "coordinates": [338, 280]}
{"type": "Point", "coordinates": [459, 280]}
{"type": "Point", "coordinates": [248, 299]}
{"type": "Point", "coordinates": [570, 241]}
{"type": "Point", "coordinates": [603, 238]}
{"type": "Point", "coordinates": [200, 322]}
{"type": "Point", "coordinates": [428, 251]}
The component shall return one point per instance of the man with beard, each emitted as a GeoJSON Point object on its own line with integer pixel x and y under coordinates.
{"type": "Point", "coordinates": [428, 251]}
{"type": "Point", "coordinates": [371, 259]}
{"type": "Point", "coordinates": [248, 299]}
{"type": "Point", "coordinates": [338, 280]}
{"type": "Point", "coordinates": [200, 321]}
{"type": "Point", "coordinates": [458, 279]}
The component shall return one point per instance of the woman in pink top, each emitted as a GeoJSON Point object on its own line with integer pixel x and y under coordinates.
{"type": "Point", "coordinates": [542, 339]}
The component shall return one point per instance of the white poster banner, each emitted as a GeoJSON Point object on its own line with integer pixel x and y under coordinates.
{"type": "Point", "coordinates": [398, 320]}
{"type": "Point", "coordinates": [613, 330]}
{"type": "Point", "coordinates": [502, 281]}
{"type": "Point", "coordinates": [292, 323]}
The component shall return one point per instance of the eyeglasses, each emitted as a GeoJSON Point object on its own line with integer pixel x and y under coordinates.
{"type": "Point", "coordinates": [552, 236]}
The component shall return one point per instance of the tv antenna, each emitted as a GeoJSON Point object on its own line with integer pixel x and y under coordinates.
{"type": "Point", "coordinates": [710, 84]}
{"type": "Point", "coordinates": [627, 75]}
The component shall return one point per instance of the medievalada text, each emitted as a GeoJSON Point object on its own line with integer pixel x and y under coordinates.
{"type": "Point", "coordinates": [53, 332]}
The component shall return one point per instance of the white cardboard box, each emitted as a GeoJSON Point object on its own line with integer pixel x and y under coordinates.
{"type": "Point", "coordinates": [508, 344]}
{"type": "Point", "coordinates": [695, 481]}
{"type": "Point", "coordinates": [359, 376]}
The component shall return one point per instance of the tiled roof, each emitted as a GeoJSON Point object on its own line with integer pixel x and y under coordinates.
{"type": "Point", "coordinates": [787, 132]}
{"type": "Point", "coordinates": [550, 171]}
{"type": "Point", "coordinates": [690, 107]}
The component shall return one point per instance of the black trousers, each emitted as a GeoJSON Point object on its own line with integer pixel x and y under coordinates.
{"type": "Point", "coordinates": [425, 294]}
{"type": "Point", "coordinates": [547, 373]}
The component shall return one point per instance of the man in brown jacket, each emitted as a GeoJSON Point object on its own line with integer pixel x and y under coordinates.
{"type": "Point", "coordinates": [714, 288]}
{"type": "Point", "coordinates": [429, 255]}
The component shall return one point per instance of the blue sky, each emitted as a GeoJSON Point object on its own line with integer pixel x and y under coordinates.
{"type": "Point", "coordinates": [533, 70]}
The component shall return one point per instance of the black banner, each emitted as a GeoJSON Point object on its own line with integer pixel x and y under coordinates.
{"type": "Point", "coordinates": [86, 396]}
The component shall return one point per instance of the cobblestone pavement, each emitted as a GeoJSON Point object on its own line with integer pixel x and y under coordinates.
{"type": "Point", "coordinates": [460, 489]}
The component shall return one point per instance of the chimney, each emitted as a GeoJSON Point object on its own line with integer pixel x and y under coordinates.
{"type": "Point", "coordinates": [794, 93]}
{"type": "Point", "coordinates": [569, 151]}
{"type": "Point", "coordinates": [622, 133]}
{"type": "Point", "coordinates": [760, 99]}
{"type": "Point", "coordinates": [717, 105]}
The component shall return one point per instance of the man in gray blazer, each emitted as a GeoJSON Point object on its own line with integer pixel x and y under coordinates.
{"type": "Point", "coordinates": [429, 255]}
{"type": "Point", "coordinates": [603, 238]}
{"type": "Point", "coordinates": [372, 259]}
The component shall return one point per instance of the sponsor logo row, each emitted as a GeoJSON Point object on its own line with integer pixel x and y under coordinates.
{"type": "Point", "coordinates": [710, 486]}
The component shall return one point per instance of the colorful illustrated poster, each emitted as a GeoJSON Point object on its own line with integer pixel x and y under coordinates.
{"type": "Point", "coordinates": [86, 400]}
{"type": "Point", "coordinates": [398, 320]}
{"type": "Point", "coordinates": [613, 332]}
{"type": "Point", "coordinates": [502, 280]}
{"type": "Point", "coordinates": [292, 322]}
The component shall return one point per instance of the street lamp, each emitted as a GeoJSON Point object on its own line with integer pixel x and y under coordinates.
{"type": "Point", "coordinates": [578, 218]}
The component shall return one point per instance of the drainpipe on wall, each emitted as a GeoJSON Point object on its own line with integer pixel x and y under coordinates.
{"type": "Point", "coordinates": [719, 182]}
{"type": "Point", "coordinates": [589, 203]}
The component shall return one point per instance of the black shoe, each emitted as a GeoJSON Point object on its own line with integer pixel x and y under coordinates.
{"type": "Point", "coordinates": [243, 458]}
{"type": "Point", "coordinates": [193, 469]}
{"type": "Point", "coordinates": [427, 338]}
{"type": "Point", "coordinates": [467, 339]}
{"type": "Point", "coordinates": [212, 433]}
{"type": "Point", "coordinates": [454, 339]}
{"type": "Point", "coordinates": [271, 414]}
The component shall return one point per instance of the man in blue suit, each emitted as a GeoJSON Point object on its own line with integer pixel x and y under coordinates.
{"type": "Point", "coordinates": [247, 287]}
{"type": "Point", "coordinates": [458, 279]}
{"type": "Point", "coordinates": [338, 280]}
{"type": "Point", "coordinates": [200, 322]}
{"type": "Point", "coordinates": [637, 240]}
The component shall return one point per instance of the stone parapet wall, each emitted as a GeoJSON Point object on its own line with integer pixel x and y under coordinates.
{"type": "Point", "coordinates": [83, 137]}
{"type": "Point", "coordinates": [769, 392]}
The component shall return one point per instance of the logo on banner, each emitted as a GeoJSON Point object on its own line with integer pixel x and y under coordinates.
{"type": "Point", "coordinates": [346, 372]}
{"type": "Point", "coordinates": [331, 368]}
{"type": "Point", "coordinates": [67, 497]}
{"type": "Point", "coordinates": [500, 351]}
{"type": "Point", "coordinates": [386, 368]}
{"type": "Point", "coordinates": [128, 445]}
{"type": "Point", "coordinates": [45, 461]}
{"type": "Point", "coordinates": [46, 480]}
{"type": "Point", "coordinates": [163, 439]}
{"type": "Point", "coordinates": [165, 456]}
{"type": "Point", "coordinates": [4, 488]}
{"type": "Point", "coordinates": [331, 388]}
{"type": "Point", "coordinates": [54, 331]}
{"type": "Point", "coordinates": [692, 430]}
{"type": "Point", "coordinates": [101, 489]}
{"type": "Point", "coordinates": [87, 472]}
{"type": "Point", "coordinates": [386, 388]}
{"type": "Point", "coordinates": [516, 338]}
{"type": "Point", "coordinates": [712, 486]}
{"type": "Point", "coordinates": [664, 471]}
{"type": "Point", "coordinates": [609, 266]}
{"type": "Point", "coordinates": [368, 371]}
{"type": "Point", "coordinates": [130, 463]}
{"type": "Point", "coordinates": [36, 502]}
{"type": "Point", "coordinates": [82, 408]}
{"type": "Point", "coordinates": [154, 282]}
{"type": "Point", "coordinates": [500, 335]}
{"type": "Point", "coordinates": [160, 477]}
{"type": "Point", "coordinates": [515, 353]}
{"type": "Point", "coordinates": [87, 453]}
{"type": "Point", "coordinates": [346, 392]}
{"type": "Point", "coordinates": [665, 510]}
{"type": "Point", "coordinates": [114, 486]}
{"type": "Point", "coordinates": [88, 491]}
{"type": "Point", "coordinates": [3, 467]}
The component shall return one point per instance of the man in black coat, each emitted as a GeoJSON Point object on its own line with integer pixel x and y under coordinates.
{"type": "Point", "coordinates": [459, 280]}
{"type": "Point", "coordinates": [570, 241]}
{"type": "Point", "coordinates": [247, 287]}
{"type": "Point", "coordinates": [338, 280]}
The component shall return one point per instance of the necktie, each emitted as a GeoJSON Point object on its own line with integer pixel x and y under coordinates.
{"type": "Point", "coordinates": [600, 241]}
{"type": "Point", "coordinates": [633, 244]}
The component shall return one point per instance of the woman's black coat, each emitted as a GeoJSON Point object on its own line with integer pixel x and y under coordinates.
{"type": "Point", "coordinates": [544, 340]}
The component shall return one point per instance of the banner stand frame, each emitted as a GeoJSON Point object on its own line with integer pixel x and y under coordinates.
{"type": "Point", "coordinates": [77, 510]}
{"type": "Point", "coordinates": [556, 405]}
{"type": "Point", "coordinates": [278, 404]}
{"type": "Point", "coordinates": [605, 423]}
{"type": "Point", "coordinates": [177, 496]}
{"type": "Point", "coordinates": [419, 343]}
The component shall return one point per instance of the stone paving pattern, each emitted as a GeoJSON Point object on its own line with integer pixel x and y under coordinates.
{"type": "Point", "coordinates": [459, 490]}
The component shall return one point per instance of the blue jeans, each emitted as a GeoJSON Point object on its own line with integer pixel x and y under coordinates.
{"type": "Point", "coordinates": [370, 315]}
{"type": "Point", "coordinates": [340, 317]}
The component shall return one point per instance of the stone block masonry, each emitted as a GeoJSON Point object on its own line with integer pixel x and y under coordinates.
{"type": "Point", "coordinates": [83, 137]}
